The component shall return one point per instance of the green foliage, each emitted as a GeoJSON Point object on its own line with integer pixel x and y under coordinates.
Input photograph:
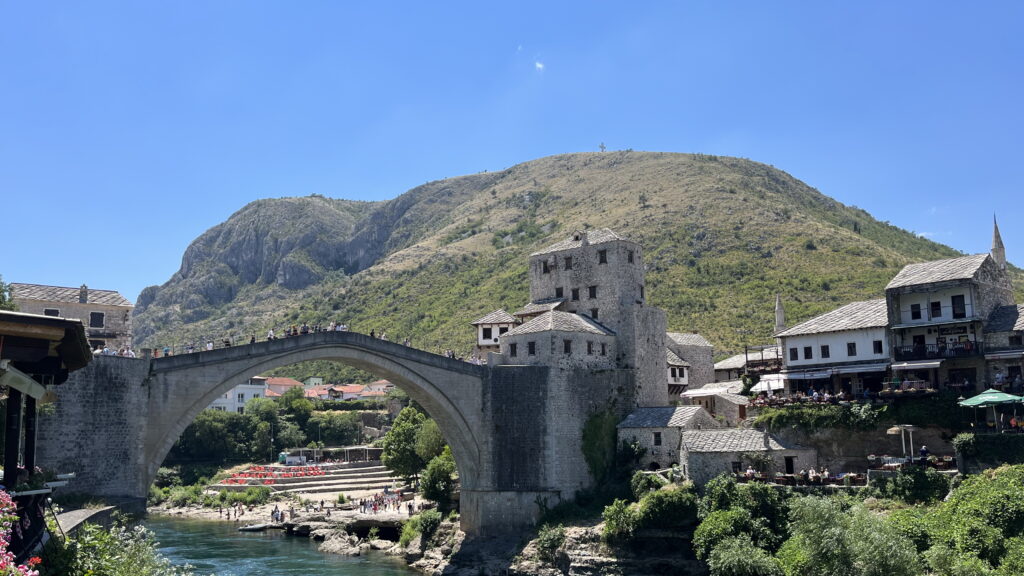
{"type": "Point", "coordinates": [336, 428]}
{"type": "Point", "coordinates": [914, 485]}
{"type": "Point", "coordinates": [944, 561]}
{"type": "Point", "coordinates": [813, 417]}
{"type": "Point", "coordinates": [669, 508]}
{"type": "Point", "coordinates": [438, 481]}
{"type": "Point", "coordinates": [95, 551]}
{"type": "Point", "coordinates": [549, 539]}
{"type": "Point", "coordinates": [430, 521]}
{"type": "Point", "coordinates": [620, 523]}
{"type": "Point", "coordinates": [410, 530]}
{"type": "Point", "coordinates": [429, 441]}
{"type": "Point", "coordinates": [643, 482]}
{"type": "Point", "coordinates": [938, 410]}
{"type": "Point", "coordinates": [738, 556]}
{"type": "Point", "coordinates": [720, 493]}
{"type": "Point", "coordinates": [5, 296]}
{"type": "Point", "coordinates": [399, 444]}
{"type": "Point", "coordinates": [599, 434]}
{"type": "Point", "coordinates": [964, 444]}
{"type": "Point", "coordinates": [722, 524]}
{"type": "Point", "coordinates": [1013, 561]}
{"type": "Point", "coordinates": [166, 477]}
{"type": "Point", "coordinates": [991, 449]}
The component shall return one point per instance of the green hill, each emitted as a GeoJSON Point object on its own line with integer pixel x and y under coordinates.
{"type": "Point", "coordinates": [721, 237]}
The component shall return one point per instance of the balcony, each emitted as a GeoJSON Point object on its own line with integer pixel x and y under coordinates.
{"type": "Point", "coordinates": [930, 351]}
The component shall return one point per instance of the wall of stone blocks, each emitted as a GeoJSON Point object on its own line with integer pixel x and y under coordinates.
{"type": "Point", "coordinates": [699, 467]}
{"type": "Point", "coordinates": [95, 427]}
{"type": "Point", "coordinates": [701, 359]}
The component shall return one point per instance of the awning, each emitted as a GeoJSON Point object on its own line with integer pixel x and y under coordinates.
{"type": "Point", "coordinates": [1005, 355]}
{"type": "Point", "coordinates": [769, 382]}
{"type": "Point", "coordinates": [856, 368]}
{"type": "Point", "coordinates": [916, 365]}
{"type": "Point", "coordinates": [816, 375]}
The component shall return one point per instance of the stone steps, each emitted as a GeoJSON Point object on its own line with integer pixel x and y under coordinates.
{"type": "Point", "coordinates": [335, 480]}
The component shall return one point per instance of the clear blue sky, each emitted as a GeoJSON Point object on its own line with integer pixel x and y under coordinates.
{"type": "Point", "coordinates": [127, 129]}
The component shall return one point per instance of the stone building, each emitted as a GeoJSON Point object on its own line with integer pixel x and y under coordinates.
{"type": "Point", "coordinates": [489, 328]}
{"type": "Point", "coordinates": [658, 429]}
{"type": "Point", "coordinates": [678, 374]}
{"type": "Point", "coordinates": [1004, 344]}
{"type": "Point", "coordinates": [561, 339]}
{"type": "Point", "coordinates": [705, 454]}
{"type": "Point", "coordinates": [723, 400]}
{"type": "Point", "coordinates": [697, 352]}
{"type": "Point", "coordinates": [106, 314]}
{"type": "Point", "coordinates": [759, 360]}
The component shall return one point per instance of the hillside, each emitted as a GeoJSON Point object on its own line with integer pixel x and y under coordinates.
{"type": "Point", "coordinates": [721, 236]}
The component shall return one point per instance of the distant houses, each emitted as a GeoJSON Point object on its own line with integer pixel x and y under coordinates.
{"type": "Point", "coordinates": [106, 314]}
{"type": "Point", "coordinates": [274, 387]}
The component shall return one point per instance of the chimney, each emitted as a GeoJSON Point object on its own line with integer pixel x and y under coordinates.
{"type": "Point", "coordinates": [998, 251]}
{"type": "Point", "coordinates": [780, 314]}
{"type": "Point", "coordinates": [83, 294]}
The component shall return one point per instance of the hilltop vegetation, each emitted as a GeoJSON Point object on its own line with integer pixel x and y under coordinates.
{"type": "Point", "coordinates": [721, 237]}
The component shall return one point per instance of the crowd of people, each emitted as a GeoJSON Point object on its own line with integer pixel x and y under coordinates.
{"type": "Point", "coordinates": [386, 501]}
{"type": "Point", "coordinates": [104, 350]}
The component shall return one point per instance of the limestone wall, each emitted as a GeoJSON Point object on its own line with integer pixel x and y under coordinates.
{"type": "Point", "coordinates": [700, 467]}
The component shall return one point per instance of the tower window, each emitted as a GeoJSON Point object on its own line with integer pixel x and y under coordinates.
{"type": "Point", "coordinates": [575, 294]}
{"type": "Point", "coordinates": [513, 349]}
{"type": "Point", "coordinates": [559, 292]}
{"type": "Point", "coordinates": [629, 256]}
{"type": "Point", "coordinates": [590, 348]}
{"type": "Point", "coordinates": [568, 262]}
{"type": "Point", "coordinates": [593, 313]}
{"type": "Point", "coordinates": [544, 268]}
{"type": "Point", "coordinates": [567, 346]}
{"type": "Point", "coordinates": [604, 349]}
{"type": "Point", "coordinates": [531, 348]}
{"type": "Point", "coordinates": [657, 438]}
{"type": "Point", "coordinates": [592, 291]}
{"type": "Point", "coordinates": [602, 256]}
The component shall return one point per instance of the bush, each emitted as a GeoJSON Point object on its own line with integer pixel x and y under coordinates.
{"type": "Point", "coordinates": [718, 526]}
{"type": "Point", "coordinates": [439, 478]}
{"type": "Point", "coordinates": [410, 530]}
{"type": "Point", "coordinates": [915, 485]}
{"type": "Point", "coordinates": [120, 551]}
{"type": "Point", "coordinates": [620, 521]}
{"type": "Point", "coordinates": [667, 508]}
{"type": "Point", "coordinates": [1013, 561]}
{"type": "Point", "coordinates": [737, 556]}
{"type": "Point", "coordinates": [794, 557]}
{"type": "Point", "coordinates": [720, 493]}
{"type": "Point", "coordinates": [643, 482]}
{"type": "Point", "coordinates": [945, 561]}
{"type": "Point", "coordinates": [430, 520]}
{"type": "Point", "coordinates": [549, 540]}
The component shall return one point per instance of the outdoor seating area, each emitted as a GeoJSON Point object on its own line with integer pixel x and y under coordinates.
{"type": "Point", "coordinates": [805, 479]}
{"type": "Point", "coordinates": [269, 475]}
{"type": "Point", "coordinates": [886, 462]}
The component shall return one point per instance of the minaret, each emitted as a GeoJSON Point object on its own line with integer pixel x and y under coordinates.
{"type": "Point", "coordinates": [998, 251]}
{"type": "Point", "coordinates": [780, 314]}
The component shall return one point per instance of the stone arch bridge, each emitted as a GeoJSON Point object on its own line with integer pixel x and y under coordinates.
{"type": "Point", "coordinates": [514, 430]}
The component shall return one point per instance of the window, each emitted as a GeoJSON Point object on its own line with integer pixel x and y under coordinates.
{"type": "Point", "coordinates": [604, 349]}
{"type": "Point", "coordinates": [808, 352]}
{"type": "Point", "coordinates": [241, 410]}
{"type": "Point", "coordinates": [96, 319]}
{"type": "Point", "coordinates": [568, 262]}
{"type": "Point", "coordinates": [602, 256]}
{"type": "Point", "coordinates": [851, 348]}
{"type": "Point", "coordinates": [641, 291]}
{"type": "Point", "coordinates": [1016, 340]}
{"type": "Point", "coordinates": [877, 346]}
{"type": "Point", "coordinates": [559, 292]}
{"type": "Point", "coordinates": [487, 333]}
{"type": "Point", "coordinates": [51, 312]}
{"type": "Point", "coordinates": [567, 346]}
{"type": "Point", "coordinates": [513, 349]}
{"type": "Point", "coordinates": [915, 311]}
{"type": "Point", "coordinates": [657, 438]}
{"type": "Point", "coordinates": [590, 348]}
{"type": "Point", "coordinates": [531, 348]}
{"type": "Point", "coordinates": [241, 397]}
{"type": "Point", "coordinates": [575, 294]}
{"type": "Point", "coordinates": [959, 307]}
{"type": "Point", "coordinates": [794, 354]}
{"type": "Point", "coordinates": [544, 268]}
{"type": "Point", "coordinates": [737, 467]}
{"type": "Point", "coordinates": [674, 373]}
{"type": "Point", "coordinates": [629, 256]}
{"type": "Point", "coordinates": [593, 313]}
{"type": "Point", "coordinates": [502, 330]}
{"type": "Point", "coordinates": [825, 353]}
{"type": "Point", "coordinates": [936, 309]}
{"type": "Point", "coordinates": [592, 292]}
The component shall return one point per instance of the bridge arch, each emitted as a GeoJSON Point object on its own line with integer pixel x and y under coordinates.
{"type": "Point", "coordinates": [183, 386]}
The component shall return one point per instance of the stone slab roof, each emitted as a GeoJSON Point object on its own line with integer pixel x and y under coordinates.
{"type": "Point", "coordinates": [740, 360]}
{"type": "Point", "coordinates": [738, 399]}
{"type": "Point", "coordinates": [962, 268]}
{"type": "Point", "coordinates": [599, 236]}
{"type": "Point", "coordinates": [1006, 319]}
{"type": "Point", "coordinates": [540, 306]}
{"type": "Point", "coordinates": [560, 322]}
{"type": "Point", "coordinates": [712, 388]}
{"type": "Point", "coordinates": [853, 316]}
{"type": "Point", "coordinates": [661, 417]}
{"type": "Point", "coordinates": [65, 294]}
{"type": "Point", "coordinates": [737, 440]}
{"type": "Point", "coordinates": [674, 359]}
{"type": "Point", "coordinates": [688, 339]}
{"type": "Point", "coordinates": [499, 316]}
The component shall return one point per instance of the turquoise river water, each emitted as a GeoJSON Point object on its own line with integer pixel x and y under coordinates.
{"type": "Point", "coordinates": [219, 548]}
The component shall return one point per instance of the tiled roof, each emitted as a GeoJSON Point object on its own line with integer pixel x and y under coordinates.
{"type": "Point", "coordinates": [661, 417]}
{"type": "Point", "coordinates": [282, 381]}
{"type": "Point", "coordinates": [740, 360]}
{"type": "Point", "coordinates": [540, 306]}
{"type": "Point", "coordinates": [499, 316]}
{"type": "Point", "coordinates": [736, 440]}
{"type": "Point", "coordinates": [561, 322]}
{"type": "Point", "coordinates": [674, 359]}
{"type": "Point", "coordinates": [961, 268]}
{"type": "Point", "coordinates": [853, 316]}
{"type": "Point", "coordinates": [599, 236]}
{"type": "Point", "coordinates": [712, 388]}
{"type": "Point", "coordinates": [1006, 319]}
{"type": "Point", "coordinates": [68, 295]}
{"type": "Point", "coordinates": [688, 339]}
{"type": "Point", "coordinates": [349, 388]}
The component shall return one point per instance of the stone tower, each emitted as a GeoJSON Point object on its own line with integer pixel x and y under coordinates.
{"type": "Point", "coordinates": [998, 251]}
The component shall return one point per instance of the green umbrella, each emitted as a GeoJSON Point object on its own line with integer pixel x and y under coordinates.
{"type": "Point", "coordinates": [991, 397]}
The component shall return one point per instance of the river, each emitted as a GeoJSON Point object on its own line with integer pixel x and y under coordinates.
{"type": "Point", "coordinates": [219, 548]}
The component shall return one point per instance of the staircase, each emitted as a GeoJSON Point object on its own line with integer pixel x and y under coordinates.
{"type": "Point", "coordinates": [335, 478]}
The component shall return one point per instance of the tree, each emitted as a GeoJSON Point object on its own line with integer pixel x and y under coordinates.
{"type": "Point", "coordinates": [429, 441]}
{"type": "Point", "coordinates": [5, 296]}
{"type": "Point", "coordinates": [335, 428]}
{"type": "Point", "coordinates": [439, 479]}
{"type": "Point", "coordinates": [399, 445]}
{"type": "Point", "coordinates": [737, 556]}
